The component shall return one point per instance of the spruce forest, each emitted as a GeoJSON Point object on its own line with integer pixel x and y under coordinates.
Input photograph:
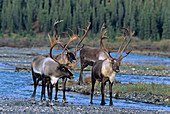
{"type": "Point", "coordinates": [150, 19]}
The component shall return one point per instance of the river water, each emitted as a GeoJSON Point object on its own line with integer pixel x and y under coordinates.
{"type": "Point", "coordinates": [17, 84]}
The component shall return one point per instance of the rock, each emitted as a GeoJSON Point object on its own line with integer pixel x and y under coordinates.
{"type": "Point", "coordinates": [167, 100]}
{"type": "Point", "coordinates": [1, 109]}
{"type": "Point", "coordinates": [87, 79]}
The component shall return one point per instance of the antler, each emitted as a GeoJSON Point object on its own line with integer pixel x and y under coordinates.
{"type": "Point", "coordinates": [88, 27]}
{"type": "Point", "coordinates": [52, 45]}
{"type": "Point", "coordinates": [122, 43]}
{"type": "Point", "coordinates": [55, 36]}
{"type": "Point", "coordinates": [74, 37]}
{"type": "Point", "coordinates": [131, 34]}
{"type": "Point", "coordinates": [103, 36]}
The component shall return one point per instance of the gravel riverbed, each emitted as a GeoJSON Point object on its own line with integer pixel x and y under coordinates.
{"type": "Point", "coordinates": [16, 105]}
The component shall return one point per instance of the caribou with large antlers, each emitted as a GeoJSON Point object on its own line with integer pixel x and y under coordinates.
{"type": "Point", "coordinates": [89, 55]}
{"type": "Point", "coordinates": [105, 70]}
{"type": "Point", "coordinates": [48, 68]}
{"type": "Point", "coordinates": [67, 58]}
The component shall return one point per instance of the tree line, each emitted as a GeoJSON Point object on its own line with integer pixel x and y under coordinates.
{"type": "Point", "coordinates": [150, 19]}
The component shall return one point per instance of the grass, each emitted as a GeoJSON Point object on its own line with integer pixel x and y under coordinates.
{"type": "Point", "coordinates": [152, 88]}
{"type": "Point", "coordinates": [142, 67]}
{"type": "Point", "coordinates": [88, 67]}
{"type": "Point", "coordinates": [139, 87]}
{"type": "Point", "coordinates": [136, 66]}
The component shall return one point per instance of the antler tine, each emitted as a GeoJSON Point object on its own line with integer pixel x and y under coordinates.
{"type": "Point", "coordinates": [54, 34]}
{"type": "Point", "coordinates": [55, 23]}
{"type": "Point", "coordinates": [127, 53]}
{"type": "Point", "coordinates": [121, 44]}
{"type": "Point", "coordinates": [110, 51]}
{"type": "Point", "coordinates": [67, 34]}
{"type": "Point", "coordinates": [88, 27]}
{"type": "Point", "coordinates": [71, 31]}
{"type": "Point", "coordinates": [131, 34]}
{"type": "Point", "coordinates": [101, 42]}
{"type": "Point", "coordinates": [74, 37]}
{"type": "Point", "coordinates": [104, 36]}
{"type": "Point", "coordinates": [52, 45]}
{"type": "Point", "coordinates": [49, 39]}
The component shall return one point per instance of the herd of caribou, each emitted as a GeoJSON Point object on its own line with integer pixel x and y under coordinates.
{"type": "Point", "coordinates": [50, 69]}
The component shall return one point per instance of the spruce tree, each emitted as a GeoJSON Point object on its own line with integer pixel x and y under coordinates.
{"type": "Point", "coordinates": [166, 25]}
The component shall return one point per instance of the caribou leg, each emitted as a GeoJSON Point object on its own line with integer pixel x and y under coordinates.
{"type": "Point", "coordinates": [83, 65]}
{"type": "Point", "coordinates": [50, 95]}
{"type": "Point", "coordinates": [51, 92]}
{"type": "Point", "coordinates": [110, 92]}
{"type": "Point", "coordinates": [102, 90]}
{"type": "Point", "coordinates": [35, 87]}
{"type": "Point", "coordinates": [35, 83]}
{"type": "Point", "coordinates": [56, 91]}
{"type": "Point", "coordinates": [92, 89]}
{"type": "Point", "coordinates": [43, 88]}
{"type": "Point", "coordinates": [48, 91]}
{"type": "Point", "coordinates": [64, 89]}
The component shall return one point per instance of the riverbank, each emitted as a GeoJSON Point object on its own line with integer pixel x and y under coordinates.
{"type": "Point", "coordinates": [16, 105]}
{"type": "Point", "coordinates": [144, 47]}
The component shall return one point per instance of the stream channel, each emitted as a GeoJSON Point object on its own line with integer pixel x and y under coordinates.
{"type": "Point", "coordinates": [17, 84]}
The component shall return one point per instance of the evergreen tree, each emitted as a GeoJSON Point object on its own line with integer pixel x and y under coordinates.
{"type": "Point", "coordinates": [149, 18]}
{"type": "Point", "coordinates": [166, 25]}
{"type": "Point", "coordinates": [4, 15]}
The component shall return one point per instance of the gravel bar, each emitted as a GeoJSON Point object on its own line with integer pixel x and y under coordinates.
{"type": "Point", "coordinates": [15, 105]}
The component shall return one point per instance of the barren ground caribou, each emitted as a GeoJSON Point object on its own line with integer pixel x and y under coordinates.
{"type": "Point", "coordinates": [88, 56]}
{"type": "Point", "coordinates": [105, 70]}
{"type": "Point", "coordinates": [62, 59]}
{"type": "Point", "coordinates": [38, 61]}
{"type": "Point", "coordinates": [48, 68]}
{"type": "Point", "coordinates": [68, 58]}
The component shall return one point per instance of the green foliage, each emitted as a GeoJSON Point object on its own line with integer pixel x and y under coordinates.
{"type": "Point", "coordinates": [141, 67]}
{"type": "Point", "coordinates": [142, 87]}
{"type": "Point", "coordinates": [148, 18]}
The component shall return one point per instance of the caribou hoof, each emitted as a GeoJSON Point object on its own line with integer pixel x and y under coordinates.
{"type": "Point", "coordinates": [102, 103]}
{"type": "Point", "coordinates": [40, 103]}
{"type": "Point", "coordinates": [44, 101]}
{"type": "Point", "coordinates": [33, 102]}
{"type": "Point", "coordinates": [65, 101]}
{"type": "Point", "coordinates": [51, 103]}
{"type": "Point", "coordinates": [56, 100]}
{"type": "Point", "coordinates": [110, 104]}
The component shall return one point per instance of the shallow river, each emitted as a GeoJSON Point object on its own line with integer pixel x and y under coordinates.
{"type": "Point", "coordinates": [17, 84]}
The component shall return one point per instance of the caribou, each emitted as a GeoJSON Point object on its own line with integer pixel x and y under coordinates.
{"type": "Point", "coordinates": [65, 60]}
{"type": "Point", "coordinates": [88, 56]}
{"type": "Point", "coordinates": [36, 68]}
{"type": "Point", "coordinates": [49, 69]}
{"type": "Point", "coordinates": [105, 70]}
{"type": "Point", "coordinates": [68, 59]}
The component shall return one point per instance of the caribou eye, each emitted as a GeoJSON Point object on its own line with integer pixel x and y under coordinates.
{"type": "Point", "coordinates": [63, 69]}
